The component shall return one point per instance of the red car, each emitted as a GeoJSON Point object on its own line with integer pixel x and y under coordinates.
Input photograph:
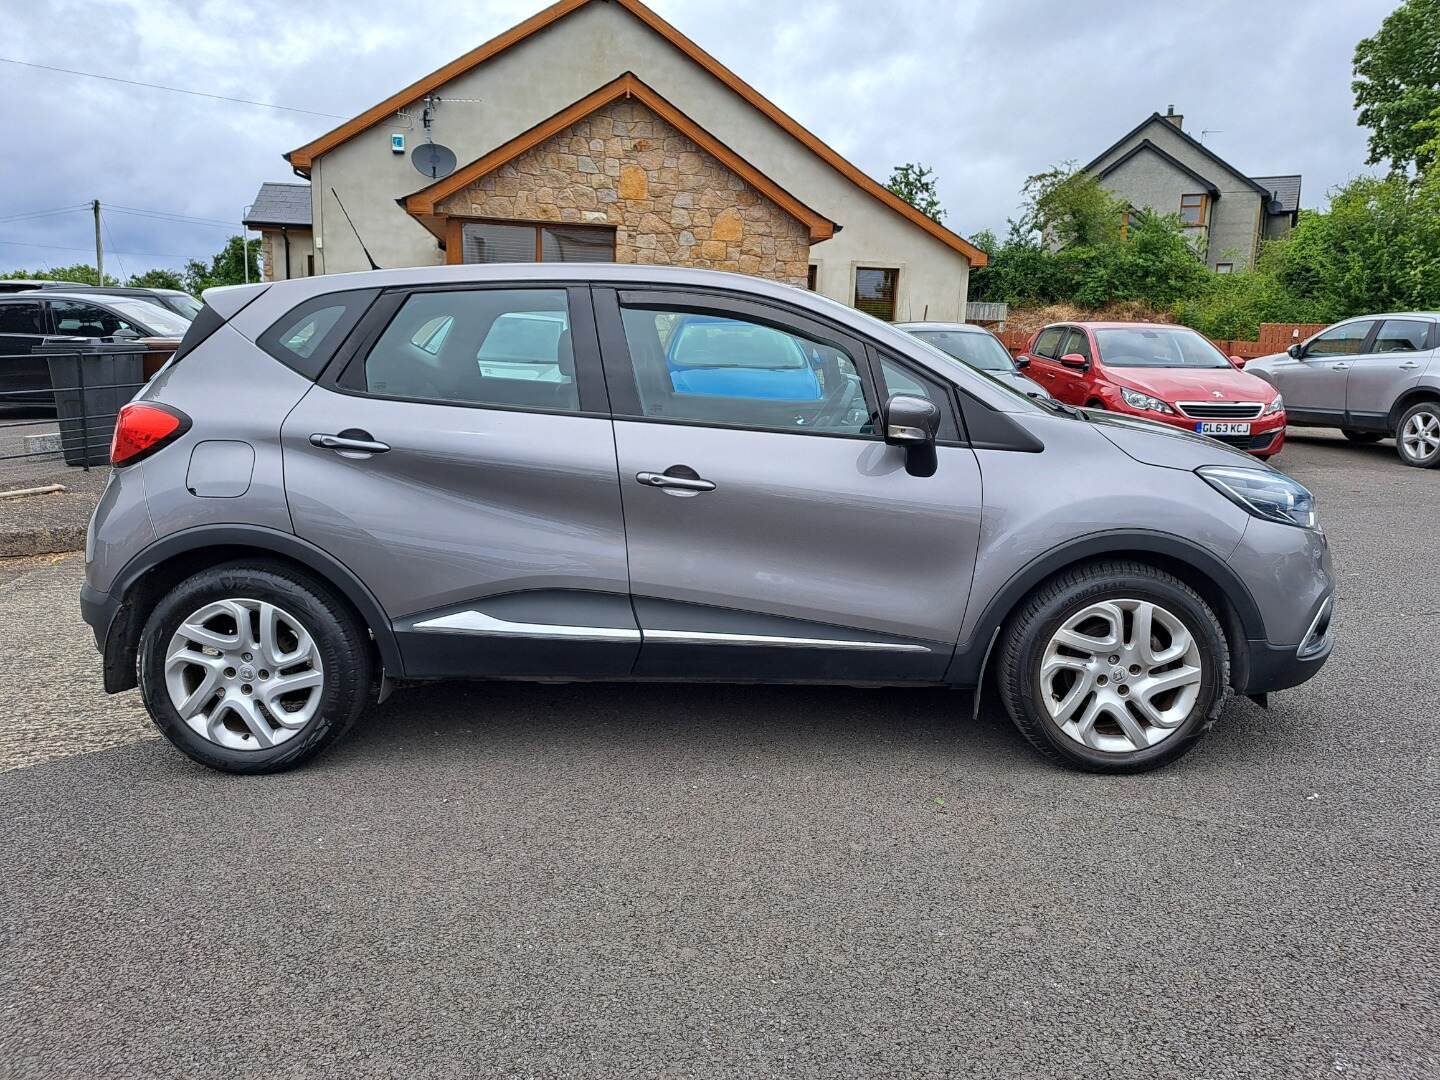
{"type": "Point", "coordinates": [1170, 374]}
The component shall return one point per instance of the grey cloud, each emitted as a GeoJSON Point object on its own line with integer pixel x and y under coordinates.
{"type": "Point", "coordinates": [984, 92]}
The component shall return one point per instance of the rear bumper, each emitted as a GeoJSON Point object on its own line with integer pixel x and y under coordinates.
{"type": "Point", "coordinates": [98, 610]}
{"type": "Point", "coordinates": [115, 639]}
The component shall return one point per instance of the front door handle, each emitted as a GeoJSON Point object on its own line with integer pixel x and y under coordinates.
{"type": "Point", "coordinates": [349, 440]}
{"type": "Point", "coordinates": [1339, 367]}
{"type": "Point", "coordinates": [688, 484]}
{"type": "Point", "coordinates": [1409, 365]}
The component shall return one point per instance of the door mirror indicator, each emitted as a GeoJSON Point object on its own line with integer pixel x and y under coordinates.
{"type": "Point", "coordinates": [1296, 352]}
{"type": "Point", "coordinates": [1076, 361]}
{"type": "Point", "coordinates": [912, 422]}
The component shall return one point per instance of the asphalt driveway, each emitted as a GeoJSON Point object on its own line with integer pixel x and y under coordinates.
{"type": "Point", "coordinates": [522, 880]}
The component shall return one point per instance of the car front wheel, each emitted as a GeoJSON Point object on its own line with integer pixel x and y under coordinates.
{"type": "Point", "coordinates": [1418, 438]}
{"type": "Point", "coordinates": [1114, 667]}
{"type": "Point", "coordinates": [253, 668]}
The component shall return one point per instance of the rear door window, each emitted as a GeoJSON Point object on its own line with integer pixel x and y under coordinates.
{"type": "Point", "coordinates": [1401, 335]}
{"type": "Point", "coordinates": [22, 317]}
{"type": "Point", "coordinates": [510, 348]}
{"type": "Point", "coordinates": [75, 318]}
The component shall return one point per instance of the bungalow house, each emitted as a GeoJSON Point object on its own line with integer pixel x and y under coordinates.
{"type": "Point", "coordinates": [595, 130]}
{"type": "Point", "coordinates": [1158, 166]}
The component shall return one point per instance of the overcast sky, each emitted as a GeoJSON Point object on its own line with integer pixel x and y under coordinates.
{"type": "Point", "coordinates": [984, 91]}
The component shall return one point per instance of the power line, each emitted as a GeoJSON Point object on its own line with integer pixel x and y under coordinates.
{"type": "Point", "coordinates": [44, 213]}
{"type": "Point", "coordinates": [63, 247]}
{"type": "Point", "coordinates": [109, 237]}
{"type": "Point", "coordinates": [181, 219]}
{"type": "Point", "coordinates": [171, 89]}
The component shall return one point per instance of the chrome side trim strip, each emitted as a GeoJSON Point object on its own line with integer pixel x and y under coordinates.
{"type": "Point", "coordinates": [700, 637]}
{"type": "Point", "coordinates": [1255, 407]}
{"type": "Point", "coordinates": [477, 622]}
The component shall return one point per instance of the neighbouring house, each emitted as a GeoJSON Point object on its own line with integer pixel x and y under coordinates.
{"type": "Point", "coordinates": [595, 130]}
{"type": "Point", "coordinates": [281, 214]}
{"type": "Point", "coordinates": [1158, 166]}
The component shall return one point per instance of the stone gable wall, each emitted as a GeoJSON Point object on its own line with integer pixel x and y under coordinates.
{"type": "Point", "coordinates": [671, 203]}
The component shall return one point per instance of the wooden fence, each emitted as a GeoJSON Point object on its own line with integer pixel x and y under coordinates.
{"type": "Point", "coordinates": [1274, 338]}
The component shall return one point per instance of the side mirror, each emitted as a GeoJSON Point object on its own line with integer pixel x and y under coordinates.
{"type": "Point", "coordinates": [1238, 361]}
{"type": "Point", "coordinates": [1075, 360]}
{"type": "Point", "coordinates": [1295, 352]}
{"type": "Point", "coordinates": [913, 422]}
{"type": "Point", "coordinates": [1022, 360]}
{"type": "Point", "coordinates": [125, 335]}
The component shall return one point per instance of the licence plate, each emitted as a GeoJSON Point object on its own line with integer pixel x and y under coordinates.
{"type": "Point", "coordinates": [1222, 427]}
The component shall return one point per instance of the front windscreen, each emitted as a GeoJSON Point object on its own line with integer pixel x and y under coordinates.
{"type": "Point", "coordinates": [1157, 347]}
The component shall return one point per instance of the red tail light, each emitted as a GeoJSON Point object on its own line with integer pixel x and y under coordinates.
{"type": "Point", "coordinates": [144, 427]}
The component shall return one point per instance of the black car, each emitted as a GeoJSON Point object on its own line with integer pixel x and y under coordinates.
{"type": "Point", "coordinates": [181, 303]}
{"type": "Point", "coordinates": [33, 318]}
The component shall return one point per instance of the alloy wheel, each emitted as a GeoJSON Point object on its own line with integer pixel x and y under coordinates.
{"type": "Point", "coordinates": [244, 674]}
{"type": "Point", "coordinates": [1420, 437]}
{"type": "Point", "coordinates": [1120, 675]}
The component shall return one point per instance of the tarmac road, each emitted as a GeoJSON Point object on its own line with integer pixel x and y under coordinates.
{"type": "Point", "coordinates": [660, 881]}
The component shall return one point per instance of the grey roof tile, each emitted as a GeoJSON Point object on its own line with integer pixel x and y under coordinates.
{"type": "Point", "coordinates": [280, 204]}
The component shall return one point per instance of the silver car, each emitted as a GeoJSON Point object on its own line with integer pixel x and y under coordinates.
{"type": "Point", "coordinates": [344, 484]}
{"type": "Point", "coordinates": [978, 347]}
{"type": "Point", "coordinates": [1373, 377]}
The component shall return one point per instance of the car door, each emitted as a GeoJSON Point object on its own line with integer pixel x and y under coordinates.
{"type": "Point", "coordinates": [772, 533]}
{"type": "Point", "coordinates": [459, 459]}
{"type": "Point", "coordinates": [1395, 358]}
{"type": "Point", "coordinates": [23, 377]}
{"type": "Point", "coordinates": [1072, 385]}
{"type": "Point", "coordinates": [1045, 358]}
{"type": "Point", "coordinates": [1314, 383]}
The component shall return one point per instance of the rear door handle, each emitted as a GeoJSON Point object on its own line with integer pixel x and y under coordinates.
{"type": "Point", "coordinates": [678, 483]}
{"type": "Point", "coordinates": [1339, 367]}
{"type": "Point", "coordinates": [353, 441]}
{"type": "Point", "coordinates": [1409, 365]}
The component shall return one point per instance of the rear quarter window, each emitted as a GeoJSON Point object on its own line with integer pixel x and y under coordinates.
{"type": "Point", "coordinates": [308, 335]}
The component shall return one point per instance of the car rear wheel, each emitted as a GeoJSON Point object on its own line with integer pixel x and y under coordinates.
{"type": "Point", "coordinates": [1114, 667]}
{"type": "Point", "coordinates": [1360, 436]}
{"type": "Point", "coordinates": [253, 668]}
{"type": "Point", "coordinates": [1418, 437]}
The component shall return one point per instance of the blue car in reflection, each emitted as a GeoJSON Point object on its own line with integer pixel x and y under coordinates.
{"type": "Point", "coordinates": [715, 356]}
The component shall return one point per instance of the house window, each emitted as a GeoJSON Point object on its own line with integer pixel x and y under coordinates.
{"type": "Point", "coordinates": [1192, 209]}
{"type": "Point", "coordinates": [811, 276]}
{"type": "Point", "coordinates": [1224, 268]}
{"type": "Point", "coordinates": [875, 289]}
{"type": "Point", "coordinates": [493, 242]}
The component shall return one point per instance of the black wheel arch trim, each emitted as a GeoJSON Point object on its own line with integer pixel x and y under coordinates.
{"type": "Point", "coordinates": [967, 667]}
{"type": "Point", "coordinates": [320, 562]}
{"type": "Point", "coordinates": [1411, 397]}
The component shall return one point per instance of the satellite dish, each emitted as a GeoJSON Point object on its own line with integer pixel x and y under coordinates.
{"type": "Point", "coordinates": [433, 160]}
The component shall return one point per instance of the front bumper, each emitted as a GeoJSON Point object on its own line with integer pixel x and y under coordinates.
{"type": "Point", "coordinates": [1267, 433]}
{"type": "Point", "coordinates": [1270, 667]}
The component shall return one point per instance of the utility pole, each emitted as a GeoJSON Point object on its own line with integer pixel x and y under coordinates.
{"type": "Point", "coordinates": [244, 248]}
{"type": "Point", "coordinates": [99, 252]}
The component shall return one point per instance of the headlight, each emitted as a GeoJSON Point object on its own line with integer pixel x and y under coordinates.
{"type": "Point", "coordinates": [1278, 405]}
{"type": "Point", "coordinates": [1264, 493]}
{"type": "Point", "coordinates": [1137, 400]}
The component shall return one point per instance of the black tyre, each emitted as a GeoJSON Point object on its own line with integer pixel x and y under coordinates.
{"type": "Point", "coordinates": [1361, 436]}
{"type": "Point", "coordinates": [253, 667]}
{"type": "Point", "coordinates": [1113, 667]}
{"type": "Point", "coordinates": [1417, 439]}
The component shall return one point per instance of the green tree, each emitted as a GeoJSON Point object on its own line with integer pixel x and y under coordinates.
{"type": "Point", "coordinates": [1397, 84]}
{"type": "Point", "coordinates": [227, 267]}
{"type": "Point", "coordinates": [1065, 205]}
{"type": "Point", "coordinates": [917, 185]}
{"type": "Point", "coordinates": [157, 279]}
{"type": "Point", "coordinates": [80, 274]}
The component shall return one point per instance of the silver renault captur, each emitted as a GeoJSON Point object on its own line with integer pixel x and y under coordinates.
{"type": "Point", "coordinates": [343, 484]}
